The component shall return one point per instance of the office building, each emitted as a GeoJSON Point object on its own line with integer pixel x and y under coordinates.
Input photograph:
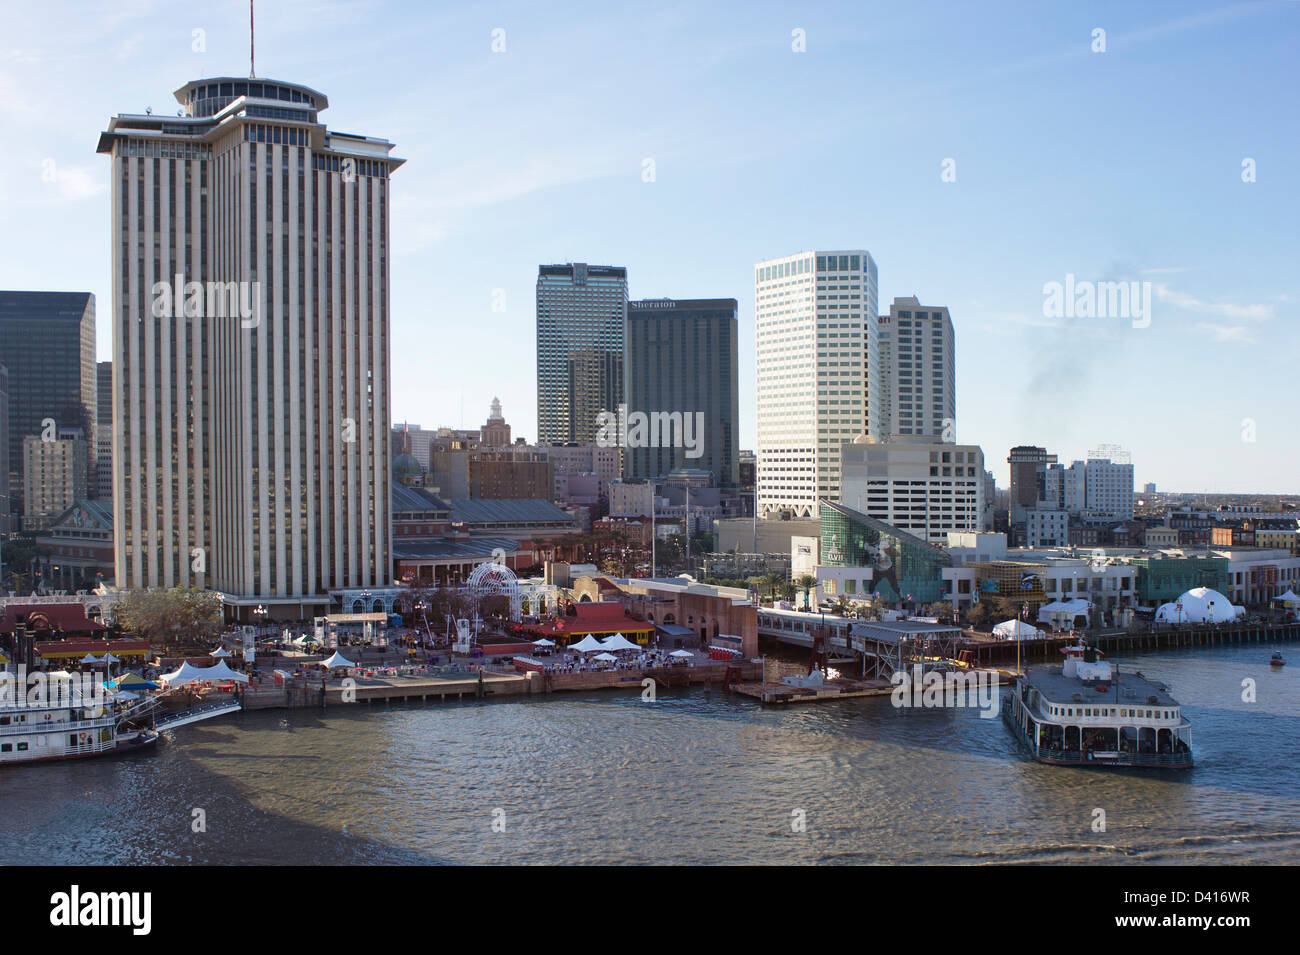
{"type": "Point", "coordinates": [54, 476]}
{"type": "Point", "coordinates": [514, 472]}
{"type": "Point", "coordinates": [682, 365]}
{"type": "Point", "coordinates": [495, 433]}
{"type": "Point", "coordinates": [1028, 479]}
{"type": "Point", "coordinates": [581, 315]}
{"type": "Point", "coordinates": [252, 416]}
{"type": "Point", "coordinates": [929, 489]}
{"type": "Point", "coordinates": [102, 489]}
{"type": "Point", "coordinates": [818, 372]}
{"type": "Point", "coordinates": [5, 521]}
{"type": "Point", "coordinates": [47, 340]}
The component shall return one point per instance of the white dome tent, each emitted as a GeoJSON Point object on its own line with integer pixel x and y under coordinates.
{"type": "Point", "coordinates": [1016, 630]}
{"type": "Point", "coordinates": [1199, 605]}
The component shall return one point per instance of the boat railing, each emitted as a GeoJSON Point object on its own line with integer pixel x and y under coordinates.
{"type": "Point", "coordinates": [51, 726]}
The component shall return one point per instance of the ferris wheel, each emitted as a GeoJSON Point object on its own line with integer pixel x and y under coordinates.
{"type": "Point", "coordinates": [495, 580]}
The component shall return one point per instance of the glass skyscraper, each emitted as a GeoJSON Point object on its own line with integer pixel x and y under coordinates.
{"type": "Point", "coordinates": [581, 319]}
{"type": "Point", "coordinates": [47, 342]}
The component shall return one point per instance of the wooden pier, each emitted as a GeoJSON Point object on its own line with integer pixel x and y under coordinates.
{"type": "Point", "coordinates": [986, 652]}
{"type": "Point", "coordinates": [837, 689]}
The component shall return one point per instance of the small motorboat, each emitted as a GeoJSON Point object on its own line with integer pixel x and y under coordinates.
{"type": "Point", "coordinates": [1277, 660]}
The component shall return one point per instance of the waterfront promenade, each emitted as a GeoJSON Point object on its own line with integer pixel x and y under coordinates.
{"type": "Point", "coordinates": [371, 685]}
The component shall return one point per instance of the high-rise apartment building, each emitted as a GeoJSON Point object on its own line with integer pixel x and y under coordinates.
{"type": "Point", "coordinates": [917, 371]}
{"type": "Point", "coordinates": [682, 360]}
{"type": "Point", "coordinates": [818, 373]}
{"type": "Point", "coordinates": [251, 402]}
{"type": "Point", "coordinates": [581, 316]}
{"type": "Point", "coordinates": [47, 341]}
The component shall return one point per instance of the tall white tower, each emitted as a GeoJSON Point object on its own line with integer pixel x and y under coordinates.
{"type": "Point", "coordinates": [818, 373]}
{"type": "Point", "coordinates": [250, 348]}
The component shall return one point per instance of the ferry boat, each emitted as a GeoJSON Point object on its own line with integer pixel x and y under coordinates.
{"type": "Point", "coordinates": [1277, 660]}
{"type": "Point", "coordinates": [1086, 713]}
{"type": "Point", "coordinates": [66, 729]}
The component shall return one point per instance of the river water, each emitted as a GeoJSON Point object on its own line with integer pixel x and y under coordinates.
{"type": "Point", "coordinates": [699, 776]}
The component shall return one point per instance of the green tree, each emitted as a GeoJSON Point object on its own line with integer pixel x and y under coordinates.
{"type": "Point", "coordinates": [183, 615]}
{"type": "Point", "coordinates": [978, 613]}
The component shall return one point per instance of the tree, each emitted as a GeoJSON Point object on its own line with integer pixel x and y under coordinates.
{"type": "Point", "coordinates": [942, 609]}
{"type": "Point", "coordinates": [978, 613]}
{"type": "Point", "coordinates": [179, 614]}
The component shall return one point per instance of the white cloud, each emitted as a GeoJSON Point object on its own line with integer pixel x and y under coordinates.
{"type": "Point", "coordinates": [1244, 313]}
{"type": "Point", "coordinates": [1227, 333]}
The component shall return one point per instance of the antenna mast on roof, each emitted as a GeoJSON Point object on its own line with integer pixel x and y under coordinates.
{"type": "Point", "coordinates": [252, 60]}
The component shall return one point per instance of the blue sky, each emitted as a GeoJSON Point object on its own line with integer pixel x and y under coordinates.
{"type": "Point", "coordinates": [1125, 164]}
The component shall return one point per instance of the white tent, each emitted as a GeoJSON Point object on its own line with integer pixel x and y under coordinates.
{"type": "Point", "coordinates": [1017, 630]}
{"type": "Point", "coordinates": [1064, 611]}
{"type": "Point", "coordinates": [109, 658]}
{"type": "Point", "coordinates": [587, 644]}
{"type": "Point", "coordinates": [337, 661]}
{"type": "Point", "coordinates": [681, 653]}
{"type": "Point", "coordinates": [543, 643]}
{"type": "Point", "coordinates": [1199, 605]}
{"type": "Point", "coordinates": [192, 674]}
{"type": "Point", "coordinates": [221, 671]}
{"type": "Point", "coordinates": [618, 642]}
{"type": "Point", "coordinates": [58, 675]}
{"type": "Point", "coordinates": [220, 652]}
{"type": "Point", "coordinates": [607, 657]}
{"type": "Point", "coordinates": [91, 658]}
{"type": "Point", "coordinates": [1289, 598]}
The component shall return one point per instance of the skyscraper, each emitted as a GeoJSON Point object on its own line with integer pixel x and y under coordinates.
{"type": "Point", "coordinates": [4, 451]}
{"type": "Point", "coordinates": [581, 314]}
{"type": "Point", "coordinates": [918, 371]}
{"type": "Point", "coordinates": [818, 373]}
{"type": "Point", "coordinates": [681, 358]}
{"type": "Point", "coordinates": [102, 489]}
{"type": "Point", "coordinates": [250, 348]}
{"type": "Point", "coordinates": [47, 340]}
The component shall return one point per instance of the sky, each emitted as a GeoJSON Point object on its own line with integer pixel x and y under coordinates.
{"type": "Point", "coordinates": [980, 152]}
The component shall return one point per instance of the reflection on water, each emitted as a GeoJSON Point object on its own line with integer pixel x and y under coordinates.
{"type": "Point", "coordinates": [697, 777]}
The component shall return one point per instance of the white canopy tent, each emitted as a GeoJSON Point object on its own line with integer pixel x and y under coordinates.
{"type": "Point", "coordinates": [91, 658]}
{"type": "Point", "coordinates": [220, 652]}
{"type": "Point", "coordinates": [543, 643]}
{"type": "Point", "coordinates": [618, 642]}
{"type": "Point", "coordinates": [681, 654]}
{"type": "Point", "coordinates": [587, 644]}
{"type": "Point", "coordinates": [192, 674]}
{"type": "Point", "coordinates": [337, 661]}
{"type": "Point", "coordinates": [109, 658]}
{"type": "Point", "coordinates": [1289, 598]}
{"type": "Point", "coordinates": [607, 657]}
{"type": "Point", "coordinates": [1017, 630]}
{"type": "Point", "coordinates": [1064, 612]}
